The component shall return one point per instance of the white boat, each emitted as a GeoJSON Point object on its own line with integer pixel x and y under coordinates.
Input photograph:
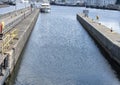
{"type": "Point", "coordinates": [45, 7]}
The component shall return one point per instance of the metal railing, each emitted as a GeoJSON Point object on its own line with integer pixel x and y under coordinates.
{"type": "Point", "coordinates": [8, 39]}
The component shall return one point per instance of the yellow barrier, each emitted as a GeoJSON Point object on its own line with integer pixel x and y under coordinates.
{"type": "Point", "coordinates": [8, 39]}
{"type": "Point", "coordinates": [5, 43]}
{"type": "Point", "coordinates": [14, 33]}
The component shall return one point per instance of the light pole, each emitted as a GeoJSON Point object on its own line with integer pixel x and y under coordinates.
{"type": "Point", "coordinates": [15, 8]}
{"type": "Point", "coordinates": [104, 3]}
{"type": "Point", "coordinates": [15, 5]}
{"type": "Point", "coordinates": [25, 4]}
{"type": "Point", "coordinates": [25, 9]}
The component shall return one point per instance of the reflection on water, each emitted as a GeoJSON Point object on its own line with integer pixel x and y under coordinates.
{"type": "Point", "coordinates": [60, 52]}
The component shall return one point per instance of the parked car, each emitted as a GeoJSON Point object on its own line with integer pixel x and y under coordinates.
{"type": "Point", "coordinates": [12, 3]}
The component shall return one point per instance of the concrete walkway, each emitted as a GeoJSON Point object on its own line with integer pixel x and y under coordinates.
{"type": "Point", "coordinates": [106, 37]}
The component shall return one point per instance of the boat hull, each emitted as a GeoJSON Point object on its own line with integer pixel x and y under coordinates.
{"type": "Point", "coordinates": [45, 10]}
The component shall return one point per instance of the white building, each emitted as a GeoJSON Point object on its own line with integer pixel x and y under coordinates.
{"type": "Point", "coordinates": [91, 2]}
{"type": "Point", "coordinates": [75, 1]}
{"type": "Point", "coordinates": [100, 2]}
{"type": "Point", "coordinates": [25, 1]}
{"type": "Point", "coordinates": [106, 2]}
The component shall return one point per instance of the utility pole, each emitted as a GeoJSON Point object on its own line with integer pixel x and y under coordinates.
{"type": "Point", "coordinates": [15, 8]}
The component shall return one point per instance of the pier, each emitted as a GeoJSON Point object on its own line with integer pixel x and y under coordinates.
{"type": "Point", "coordinates": [105, 36]}
{"type": "Point", "coordinates": [17, 28]}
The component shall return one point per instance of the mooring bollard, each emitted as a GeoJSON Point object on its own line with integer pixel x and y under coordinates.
{"type": "Point", "coordinates": [111, 29]}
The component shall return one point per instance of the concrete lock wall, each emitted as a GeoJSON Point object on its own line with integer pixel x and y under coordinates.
{"type": "Point", "coordinates": [24, 27]}
{"type": "Point", "coordinates": [24, 35]}
{"type": "Point", "coordinates": [103, 36]}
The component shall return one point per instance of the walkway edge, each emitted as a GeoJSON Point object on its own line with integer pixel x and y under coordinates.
{"type": "Point", "coordinates": [25, 28]}
{"type": "Point", "coordinates": [109, 41]}
{"type": "Point", "coordinates": [26, 31]}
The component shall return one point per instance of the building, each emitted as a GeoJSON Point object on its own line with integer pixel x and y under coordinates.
{"type": "Point", "coordinates": [80, 2]}
{"type": "Point", "coordinates": [25, 1]}
{"type": "Point", "coordinates": [90, 2]}
{"type": "Point", "coordinates": [100, 2]}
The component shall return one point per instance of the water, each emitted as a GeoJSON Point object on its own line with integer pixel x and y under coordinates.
{"type": "Point", "coordinates": [60, 52]}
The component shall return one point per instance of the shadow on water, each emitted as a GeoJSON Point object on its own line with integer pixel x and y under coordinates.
{"type": "Point", "coordinates": [114, 65]}
{"type": "Point", "coordinates": [12, 77]}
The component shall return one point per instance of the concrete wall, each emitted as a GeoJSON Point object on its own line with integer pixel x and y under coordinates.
{"type": "Point", "coordinates": [24, 36]}
{"type": "Point", "coordinates": [103, 36]}
{"type": "Point", "coordinates": [12, 13]}
{"type": "Point", "coordinates": [24, 30]}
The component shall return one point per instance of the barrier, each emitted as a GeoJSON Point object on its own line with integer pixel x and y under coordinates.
{"type": "Point", "coordinates": [8, 39]}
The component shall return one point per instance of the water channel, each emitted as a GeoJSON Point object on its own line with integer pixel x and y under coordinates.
{"type": "Point", "coordinates": [60, 52]}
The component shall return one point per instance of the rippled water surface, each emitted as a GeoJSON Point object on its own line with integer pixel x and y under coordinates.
{"type": "Point", "coordinates": [60, 52]}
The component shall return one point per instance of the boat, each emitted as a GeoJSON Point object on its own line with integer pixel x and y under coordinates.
{"type": "Point", "coordinates": [45, 7]}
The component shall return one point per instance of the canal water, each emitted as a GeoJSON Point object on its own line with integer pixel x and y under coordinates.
{"type": "Point", "coordinates": [60, 52]}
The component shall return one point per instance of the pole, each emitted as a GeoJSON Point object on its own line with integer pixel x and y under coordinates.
{"type": "Point", "coordinates": [15, 8]}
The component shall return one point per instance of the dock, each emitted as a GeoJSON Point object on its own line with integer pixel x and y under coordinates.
{"type": "Point", "coordinates": [106, 37]}
{"type": "Point", "coordinates": [17, 28]}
